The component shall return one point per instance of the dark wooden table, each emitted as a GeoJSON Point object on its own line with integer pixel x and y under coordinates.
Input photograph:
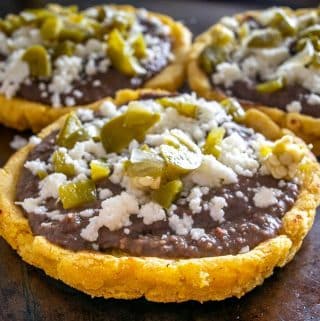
{"type": "Point", "coordinates": [27, 294]}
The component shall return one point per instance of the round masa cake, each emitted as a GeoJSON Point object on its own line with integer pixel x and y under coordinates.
{"type": "Point", "coordinates": [165, 196]}
{"type": "Point", "coordinates": [55, 59]}
{"type": "Point", "coordinates": [268, 59]}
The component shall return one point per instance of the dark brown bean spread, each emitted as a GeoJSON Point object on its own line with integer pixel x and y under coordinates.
{"type": "Point", "coordinates": [244, 225]}
{"type": "Point", "coordinates": [109, 82]}
{"type": "Point", "coordinates": [246, 91]}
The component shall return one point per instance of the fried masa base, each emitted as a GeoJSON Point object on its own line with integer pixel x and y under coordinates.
{"type": "Point", "coordinates": [304, 126]}
{"type": "Point", "coordinates": [22, 114]}
{"type": "Point", "coordinates": [115, 275]}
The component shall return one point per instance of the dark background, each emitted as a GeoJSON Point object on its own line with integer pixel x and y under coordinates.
{"type": "Point", "coordinates": [291, 294]}
{"type": "Point", "coordinates": [198, 14]}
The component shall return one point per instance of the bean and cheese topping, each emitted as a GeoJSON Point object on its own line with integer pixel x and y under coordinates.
{"type": "Point", "coordinates": [61, 49]}
{"type": "Point", "coordinates": [270, 51]}
{"type": "Point", "coordinates": [173, 164]}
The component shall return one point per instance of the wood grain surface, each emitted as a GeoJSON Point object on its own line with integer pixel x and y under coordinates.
{"type": "Point", "coordinates": [27, 294]}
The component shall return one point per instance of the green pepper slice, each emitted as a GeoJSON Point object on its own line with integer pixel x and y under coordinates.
{"type": "Point", "coordinates": [167, 193]}
{"type": "Point", "coordinates": [179, 161]}
{"type": "Point", "coordinates": [285, 24]}
{"type": "Point", "coordinates": [183, 108]}
{"type": "Point", "coordinates": [64, 48]}
{"type": "Point", "coordinates": [51, 28]}
{"type": "Point", "coordinates": [121, 55]}
{"type": "Point", "coordinates": [144, 163]}
{"type": "Point", "coordinates": [38, 60]}
{"type": "Point", "coordinates": [221, 36]}
{"type": "Point", "coordinates": [139, 46]}
{"type": "Point", "coordinates": [264, 38]}
{"type": "Point", "coordinates": [117, 133]}
{"type": "Point", "coordinates": [311, 31]}
{"type": "Point", "coordinates": [185, 140]}
{"type": "Point", "coordinates": [77, 194]}
{"type": "Point", "coordinates": [99, 170]}
{"type": "Point", "coordinates": [71, 132]}
{"type": "Point", "coordinates": [213, 142]}
{"type": "Point", "coordinates": [270, 86]}
{"type": "Point", "coordinates": [61, 165]}
{"type": "Point", "coordinates": [37, 16]}
{"type": "Point", "coordinates": [15, 22]}
{"type": "Point", "coordinates": [210, 57]}
{"type": "Point", "coordinates": [233, 108]}
{"type": "Point", "coordinates": [6, 26]}
{"type": "Point", "coordinates": [74, 34]}
{"type": "Point", "coordinates": [42, 174]}
{"type": "Point", "coordinates": [316, 60]}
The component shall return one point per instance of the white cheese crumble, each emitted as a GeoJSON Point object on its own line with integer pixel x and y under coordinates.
{"type": "Point", "coordinates": [117, 173]}
{"type": "Point", "coordinates": [108, 109]}
{"type": "Point", "coordinates": [230, 22]}
{"type": "Point", "coordinates": [154, 140]}
{"type": "Point", "coordinates": [18, 142]}
{"type": "Point", "coordinates": [226, 74]}
{"type": "Point", "coordinates": [126, 231]}
{"type": "Point", "coordinates": [152, 212]}
{"type": "Point", "coordinates": [31, 205]}
{"type": "Point", "coordinates": [97, 83]}
{"type": "Point", "coordinates": [85, 114]}
{"type": "Point", "coordinates": [114, 214]}
{"type": "Point", "coordinates": [66, 71]}
{"type": "Point", "coordinates": [239, 194]}
{"type": "Point", "coordinates": [238, 155]}
{"type": "Point", "coordinates": [49, 186]}
{"type": "Point", "coordinates": [263, 62]}
{"type": "Point", "coordinates": [212, 173]}
{"type": "Point", "coordinates": [12, 73]}
{"type": "Point", "coordinates": [265, 197]}
{"type": "Point", "coordinates": [251, 67]}
{"type": "Point", "coordinates": [87, 150]}
{"type": "Point", "coordinates": [244, 249]}
{"type": "Point", "coordinates": [34, 140]}
{"type": "Point", "coordinates": [294, 107]}
{"type": "Point", "coordinates": [36, 166]}
{"type": "Point", "coordinates": [105, 193]}
{"type": "Point", "coordinates": [181, 225]}
{"type": "Point", "coordinates": [313, 99]}
{"type": "Point", "coordinates": [87, 213]}
{"type": "Point", "coordinates": [217, 205]}
{"type": "Point", "coordinates": [281, 183]}
{"type": "Point", "coordinates": [197, 233]}
{"type": "Point", "coordinates": [195, 199]}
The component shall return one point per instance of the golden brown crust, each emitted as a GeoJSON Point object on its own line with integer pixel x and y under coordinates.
{"type": "Point", "coordinates": [304, 126]}
{"type": "Point", "coordinates": [162, 280]}
{"type": "Point", "coordinates": [22, 114]}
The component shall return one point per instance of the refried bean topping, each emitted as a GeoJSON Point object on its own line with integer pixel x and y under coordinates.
{"type": "Point", "coordinates": [269, 57]}
{"type": "Point", "coordinates": [60, 56]}
{"type": "Point", "coordinates": [165, 176]}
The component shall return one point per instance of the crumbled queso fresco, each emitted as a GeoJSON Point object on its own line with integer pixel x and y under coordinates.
{"type": "Point", "coordinates": [271, 57]}
{"type": "Point", "coordinates": [19, 141]}
{"type": "Point", "coordinates": [62, 59]}
{"type": "Point", "coordinates": [168, 187]}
